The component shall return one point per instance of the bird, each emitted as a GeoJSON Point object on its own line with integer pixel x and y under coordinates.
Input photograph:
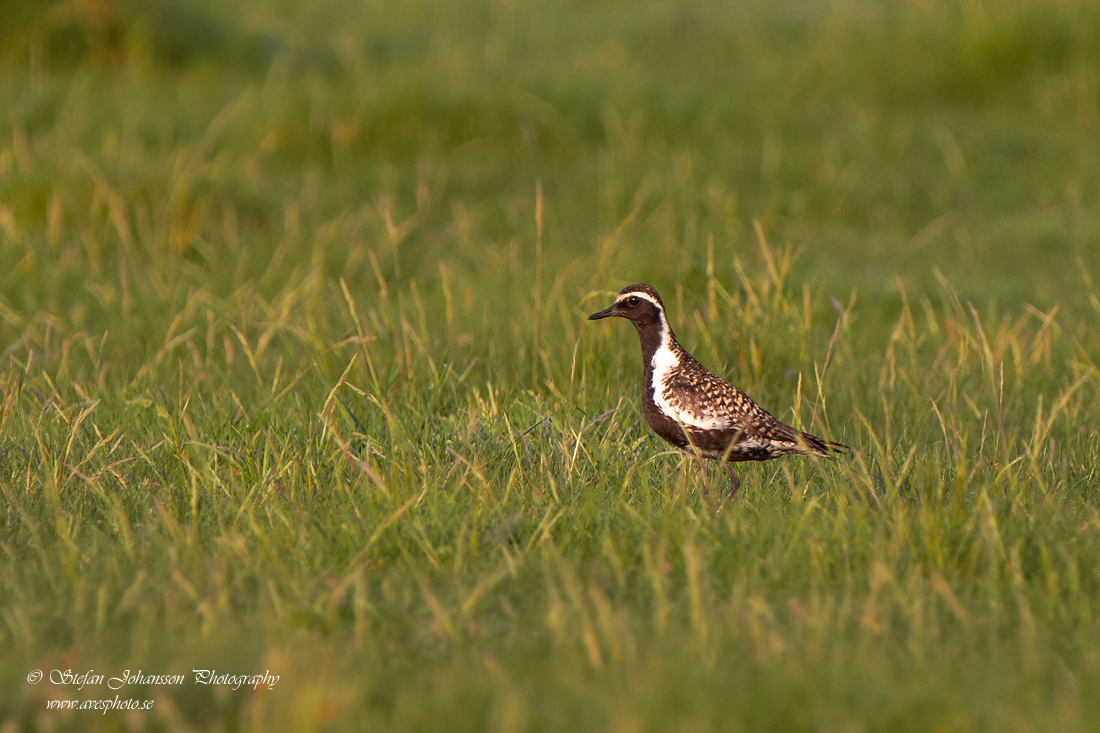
{"type": "Point", "coordinates": [697, 411]}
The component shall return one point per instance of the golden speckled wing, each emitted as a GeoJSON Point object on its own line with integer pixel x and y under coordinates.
{"type": "Point", "coordinates": [714, 404]}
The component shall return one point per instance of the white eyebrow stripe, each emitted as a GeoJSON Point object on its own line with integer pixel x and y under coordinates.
{"type": "Point", "coordinates": [639, 294]}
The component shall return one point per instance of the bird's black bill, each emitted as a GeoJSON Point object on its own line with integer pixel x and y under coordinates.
{"type": "Point", "coordinates": [602, 314]}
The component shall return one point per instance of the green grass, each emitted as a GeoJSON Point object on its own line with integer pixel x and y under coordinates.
{"type": "Point", "coordinates": [295, 376]}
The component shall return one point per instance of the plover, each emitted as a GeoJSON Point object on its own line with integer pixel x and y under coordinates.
{"type": "Point", "coordinates": [693, 409]}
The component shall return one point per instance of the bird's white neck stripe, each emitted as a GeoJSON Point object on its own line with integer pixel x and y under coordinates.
{"type": "Point", "coordinates": [664, 360]}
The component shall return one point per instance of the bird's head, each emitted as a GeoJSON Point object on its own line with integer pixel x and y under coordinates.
{"type": "Point", "coordinates": [639, 304]}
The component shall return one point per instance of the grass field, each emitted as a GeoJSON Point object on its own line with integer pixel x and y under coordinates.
{"type": "Point", "coordinates": [295, 376]}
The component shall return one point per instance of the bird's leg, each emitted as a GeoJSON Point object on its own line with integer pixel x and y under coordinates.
{"type": "Point", "coordinates": [691, 450]}
{"type": "Point", "coordinates": [703, 470]}
{"type": "Point", "coordinates": [735, 483]}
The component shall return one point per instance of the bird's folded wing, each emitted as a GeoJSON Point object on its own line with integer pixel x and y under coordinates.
{"type": "Point", "coordinates": [710, 403]}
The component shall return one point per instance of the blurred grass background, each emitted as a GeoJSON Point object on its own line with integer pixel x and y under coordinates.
{"type": "Point", "coordinates": [294, 373]}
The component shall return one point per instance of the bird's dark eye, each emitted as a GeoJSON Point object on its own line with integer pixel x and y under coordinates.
{"type": "Point", "coordinates": [632, 300]}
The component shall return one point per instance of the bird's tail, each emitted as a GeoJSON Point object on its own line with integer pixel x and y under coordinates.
{"type": "Point", "coordinates": [822, 447]}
